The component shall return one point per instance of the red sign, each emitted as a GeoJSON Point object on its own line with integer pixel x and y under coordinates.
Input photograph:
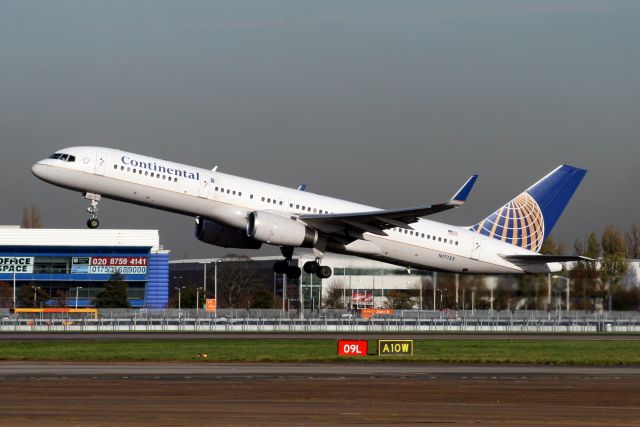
{"type": "Point", "coordinates": [211, 304]}
{"type": "Point", "coordinates": [361, 298]}
{"type": "Point", "coordinates": [351, 348]}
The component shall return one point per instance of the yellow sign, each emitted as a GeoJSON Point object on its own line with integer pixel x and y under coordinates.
{"type": "Point", "coordinates": [211, 304]}
{"type": "Point", "coordinates": [395, 347]}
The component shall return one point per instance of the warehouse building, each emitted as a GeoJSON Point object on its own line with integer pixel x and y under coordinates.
{"type": "Point", "coordinates": [70, 266]}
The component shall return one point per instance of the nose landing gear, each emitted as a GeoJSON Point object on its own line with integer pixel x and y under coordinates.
{"type": "Point", "coordinates": [92, 222]}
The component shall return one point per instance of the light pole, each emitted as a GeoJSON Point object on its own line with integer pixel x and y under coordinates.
{"type": "Point", "coordinates": [77, 289]}
{"type": "Point", "coordinates": [15, 261]}
{"type": "Point", "coordinates": [568, 287]}
{"type": "Point", "coordinates": [179, 289]}
{"type": "Point", "coordinates": [35, 294]}
{"type": "Point", "coordinates": [215, 284]}
{"type": "Point", "coordinates": [204, 279]}
{"type": "Point", "coordinates": [177, 279]}
{"type": "Point", "coordinates": [435, 288]}
{"type": "Point", "coordinates": [198, 299]}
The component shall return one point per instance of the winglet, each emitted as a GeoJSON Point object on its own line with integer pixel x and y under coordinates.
{"type": "Point", "coordinates": [302, 187]}
{"type": "Point", "coordinates": [461, 196]}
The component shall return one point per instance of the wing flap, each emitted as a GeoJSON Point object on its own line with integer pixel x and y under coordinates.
{"type": "Point", "coordinates": [544, 259]}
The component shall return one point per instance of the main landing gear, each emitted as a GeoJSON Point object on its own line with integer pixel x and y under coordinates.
{"type": "Point", "coordinates": [283, 267]}
{"type": "Point", "coordinates": [314, 267]}
{"type": "Point", "coordinates": [311, 267]}
{"type": "Point", "coordinates": [92, 222]}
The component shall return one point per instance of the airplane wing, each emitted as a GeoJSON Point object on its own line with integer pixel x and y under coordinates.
{"type": "Point", "coordinates": [377, 221]}
{"type": "Point", "coordinates": [544, 259]}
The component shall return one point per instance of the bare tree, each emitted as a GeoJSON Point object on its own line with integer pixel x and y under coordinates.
{"type": "Point", "coordinates": [333, 295]}
{"type": "Point", "coordinates": [632, 238]}
{"type": "Point", "coordinates": [399, 300]}
{"type": "Point", "coordinates": [614, 263]}
{"type": "Point", "coordinates": [31, 217]}
{"type": "Point", "coordinates": [236, 278]}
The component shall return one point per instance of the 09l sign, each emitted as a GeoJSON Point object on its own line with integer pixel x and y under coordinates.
{"type": "Point", "coordinates": [352, 348]}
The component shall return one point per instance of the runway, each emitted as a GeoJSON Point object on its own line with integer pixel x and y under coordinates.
{"type": "Point", "coordinates": [287, 394]}
{"type": "Point", "coordinates": [269, 371]}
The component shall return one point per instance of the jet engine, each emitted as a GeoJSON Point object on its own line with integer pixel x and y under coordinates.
{"type": "Point", "coordinates": [280, 230]}
{"type": "Point", "coordinates": [211, 232]}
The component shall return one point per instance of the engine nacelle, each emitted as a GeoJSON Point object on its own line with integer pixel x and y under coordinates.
{"type": "Point", "coordinates": [211, 232]}
{"type": "Point", "coordinates": [280, 230]}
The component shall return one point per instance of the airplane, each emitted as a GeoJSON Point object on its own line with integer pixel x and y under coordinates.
{"type": "Point", "coordinates": [236, 212]}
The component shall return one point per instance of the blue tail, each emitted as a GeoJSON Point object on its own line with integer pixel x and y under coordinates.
{"type": "Point", "coordinates": [529, 218]}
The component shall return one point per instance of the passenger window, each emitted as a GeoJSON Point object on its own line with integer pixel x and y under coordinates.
{"type": "Point", "coordinates": [290, 205]}
{"type": "Point", "coordinates": [146, 173]}
{"type": "Point", "coordinates": [234, 192]}
{"type": "Point", "coordinates": [115, 166]}
{"type": "Point", "coordinates": [439, 239]}
{"type": "Point", "coordinates": [297, 206]}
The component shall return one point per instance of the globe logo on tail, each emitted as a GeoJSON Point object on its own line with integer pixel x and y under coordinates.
{"type": "Point", "coordinates": [519, 222]}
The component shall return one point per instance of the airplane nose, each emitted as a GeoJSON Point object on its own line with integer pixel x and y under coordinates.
{"type": "Point", "coordinates": [38, 169]}
{"type": "Point", "coordinates": [42, 171]}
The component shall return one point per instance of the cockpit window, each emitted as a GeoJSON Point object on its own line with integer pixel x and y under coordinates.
{"type": "Point", "coordinates": [63, 157]}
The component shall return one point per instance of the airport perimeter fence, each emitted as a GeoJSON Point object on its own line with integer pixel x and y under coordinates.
{"type": "Point", "coordinates": [241, 320]}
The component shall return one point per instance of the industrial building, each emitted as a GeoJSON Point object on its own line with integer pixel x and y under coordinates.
{"type": "Point", "coordinates": [362, 282]}
{"type": "Point", "coordinates": [70, 266]}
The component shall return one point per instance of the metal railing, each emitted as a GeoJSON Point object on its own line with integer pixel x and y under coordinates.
{"type": "Point", "coordinates": [239, 320]}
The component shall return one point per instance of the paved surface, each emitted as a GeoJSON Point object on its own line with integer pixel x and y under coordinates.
{"type": "Point", "coordinates": [62, 336]}
{"type": "Point", "coordinates": [185, 371]}
{"type": "Point", "coordinates": [315, 394]}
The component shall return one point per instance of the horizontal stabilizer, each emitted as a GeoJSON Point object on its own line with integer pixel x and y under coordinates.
{"type": "Point", "coordinates": [544, 259]}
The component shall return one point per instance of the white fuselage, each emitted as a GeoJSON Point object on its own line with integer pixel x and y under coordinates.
{"type": "Point", "coordinates": [228, 199]}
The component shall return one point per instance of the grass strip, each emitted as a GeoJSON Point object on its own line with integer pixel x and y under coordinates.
{"type": "Point", "coordinates": [558, 352]}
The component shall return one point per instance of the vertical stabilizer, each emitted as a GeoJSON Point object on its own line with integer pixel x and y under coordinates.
{"type": "Point", "coordinates": [529, 218]}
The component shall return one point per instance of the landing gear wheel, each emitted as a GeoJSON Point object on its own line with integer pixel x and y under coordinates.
{"type": "Point", "coordinates": [280, 267]}
{"type": "Point", "coordinates": [93, 223]}
{"type": "Point", "coordinates": [294, 272]}
{"type": "Point", "coordinates": [324, 272]}
{"type": "Point", "coordinates": [311, 267]}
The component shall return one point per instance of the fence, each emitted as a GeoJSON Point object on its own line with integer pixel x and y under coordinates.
{"type": "Point", "coordinates": [231, 320]}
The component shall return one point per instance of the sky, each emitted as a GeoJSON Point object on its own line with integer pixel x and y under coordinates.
{"type": "Point", "coordinates": [390, 104]}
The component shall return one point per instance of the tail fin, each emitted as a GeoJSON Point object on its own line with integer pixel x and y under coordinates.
{"type": "Point", "coordinates": [529, 218]}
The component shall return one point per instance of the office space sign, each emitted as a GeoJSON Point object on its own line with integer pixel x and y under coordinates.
{"type": "Point", "coordinates": [18, 264]}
